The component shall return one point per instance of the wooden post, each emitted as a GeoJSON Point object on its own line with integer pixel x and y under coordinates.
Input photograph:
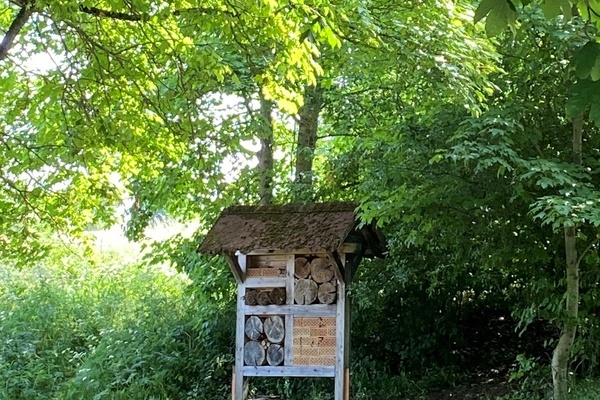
{"type": "Point", "coordinates": [238, 375]}
{"type": "Point", "coordinates": [288, 341]}
{"type": "Point", "coordinates": [342, 322]}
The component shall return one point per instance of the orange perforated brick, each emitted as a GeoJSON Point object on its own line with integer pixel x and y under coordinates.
{"type": "Point", "coordinates": [311, 322]}
{"type": "Point", "coordinates": [327, 351]}
{"type": "Point", "coordinates": [316, 332]}
{"type": "Point", "coordinates": [322, 360]}
{"type": "Point", "coordinates": [331, 331]}
{"type": "Point", "coordinates": [309, 351]}
{"type": "Point", "coordinates": [327, 341]}
{"type": "Point", "coordinates": [301, 332]}
{"type": "Point", "coordinates": [301, 361]}
{"type": "Point", "coordinates": [252, 272]}
{"type": "Point", "coordinates": [270, 272]}
{"type": "Point", "coordinates": [327, 321]}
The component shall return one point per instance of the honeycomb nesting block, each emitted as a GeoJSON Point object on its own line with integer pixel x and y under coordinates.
{"type": "Point", "coordinates": [314, 341]}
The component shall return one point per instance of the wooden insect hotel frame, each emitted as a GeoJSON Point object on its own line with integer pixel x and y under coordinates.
{"type": "Point", "coordinates": [293, 264]}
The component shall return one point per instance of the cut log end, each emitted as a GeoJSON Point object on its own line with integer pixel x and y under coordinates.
{"type": "Point", "coordinates": [305, 291]}
{"type": "Point", "coordinates": [254, 327]}
{"type": "Point", "coordinates": [263, 298]}
{"type": "Point", "coordinates": [277, 296]}
{"type": "Point", "coordinates": [274, 329]}
{"type": "Point", "coordinates": [301, 268]}
{"type": "Point", "coordinates": [250, 297]}
{"type": "Point", "coordinates": [327, 293]}
{"type": "Point", "coordinates": [321, 270]}
{"type": "Point", "coordinates": [275, 355]}
{"type": "Point", "coordinates": [254, 353]}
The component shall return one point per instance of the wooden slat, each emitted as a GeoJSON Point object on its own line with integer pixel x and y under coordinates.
{"type": "Point", "coordinates": [320, 253]}
{"type": "Point", "coordinates": [264, 282]}
{"type": "Point", "coordinates": [340, 340]}
{"type": "Point", "coordinates": [289, 319]}
{"type": "Point", "coordinates": [338, 266]}
{"type": "Point", "coordinates": [306, 371]}
{"type": "Point", "coordinates": [235, 268]}
{"type": "Point", "coordinates": [238, 377]}
{"type": "Point", "coordinates": [314, 310]}
{"type": "Point", "coordinates": [347, 327]}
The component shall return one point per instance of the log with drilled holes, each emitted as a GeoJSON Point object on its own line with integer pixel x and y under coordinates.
{"type": "Point", "coordinates": [321, 270]}
{"type": "Point", "coordinates": [254, 353]}
{"type": "Point", "coordinates": [251, 297]}
{"type": "Point", "coordinates": [275, 354]}
{"type": "Point", "coordinates": [305, 291]}
{"type": "Point", "coordinates": [301, 268]}
{"type": "Point", "coordinates": [277, 296]}
{"type": "Point", "coordinates": [262, 298]}
{"type": "Point", "coordinates": [327, 293]}
{"type": "Point", "coordinates": [254, 327]}
{"type": "Point", "coordinates": [274, 329]}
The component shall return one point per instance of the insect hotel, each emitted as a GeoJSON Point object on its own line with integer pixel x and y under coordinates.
{"type": "Point", "coordinates": [293, 264]}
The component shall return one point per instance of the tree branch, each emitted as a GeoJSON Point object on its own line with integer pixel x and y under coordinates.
{"type": "Point", "coordinates": [102, 13]}
{"type": "Point", "coordinates": [98, 12]}
{"type": "Point", "coordinates": [16, 26]}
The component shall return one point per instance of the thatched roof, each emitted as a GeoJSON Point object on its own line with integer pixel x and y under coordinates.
{"type": "Point", "coordinates": [316, 227]}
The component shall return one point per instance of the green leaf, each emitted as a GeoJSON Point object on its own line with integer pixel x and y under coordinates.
{"type": "Point", "coordinates": [582, 94]}
{"type": "Point", "coordinates": [499, 14]}
{"type": "Point", "coordinates": [587, 60]}
{"type": "Point", "coordinates": [595, 112]}
{"type": "Point", "coordinates": [551, 8]}
{"type": "Point", "coordinates": [484, 8]}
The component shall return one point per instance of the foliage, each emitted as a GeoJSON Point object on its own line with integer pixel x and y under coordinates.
{"type": "Point", "coordinates": [72, 328]}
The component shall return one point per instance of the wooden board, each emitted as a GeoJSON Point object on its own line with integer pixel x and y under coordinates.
{"type": "Point", "coordinates": [324, 372]}
{"type": "Point", "coordinates": [315, 310]}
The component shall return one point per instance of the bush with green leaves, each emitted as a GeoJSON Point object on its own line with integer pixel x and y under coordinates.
{"type": "Point", "coordinates": [72, 328]}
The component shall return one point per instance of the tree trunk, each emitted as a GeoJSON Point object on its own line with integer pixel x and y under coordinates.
{"type": "Point", "coordinates": [265, 154]}
{"type": "Point", "coordinates": [562, 352]}
{"type": "Point", "coordinates": [308, 126]}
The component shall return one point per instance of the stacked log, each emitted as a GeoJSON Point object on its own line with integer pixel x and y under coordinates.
{"type": "Point", "coordinates": [315, 281]}
{"type": "Point", "coordinates": [264, 340]}
{"type": "Point", "coordinates": [265, 297]}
